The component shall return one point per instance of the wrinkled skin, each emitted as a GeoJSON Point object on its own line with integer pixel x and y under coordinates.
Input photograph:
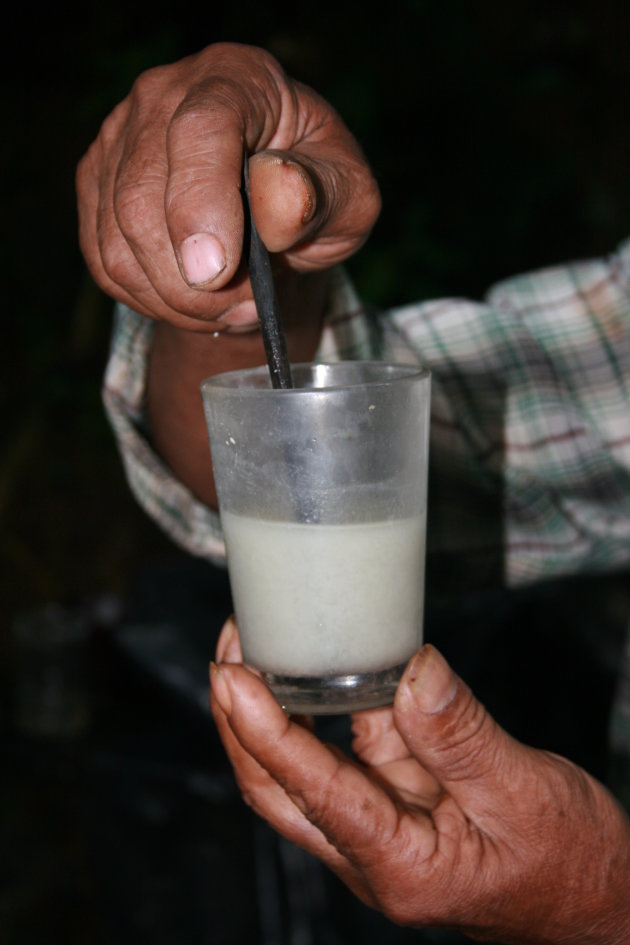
{"type": "Point", "coordinates": [164, 177]}
{"type": "Point", "coordinates": [442, 819]}
{"type": "Point", "coordinates": [161, 223]}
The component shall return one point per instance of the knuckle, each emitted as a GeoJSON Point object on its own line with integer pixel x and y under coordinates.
{"type": "Point", "coordinates": [248, 796]}
{"type": "Point", "coordinates": [90, 251]}
{"type": "Point", "coordinates": [469, 742]}
{"type": "Point", "coordinates": [373, 201]}
{"type": "Point", "coordinates": [561, 788]}
{"type": "Point", "coordinates": [133, 205]}
{"type": "Point", "coordinates": [233, 57]}
{"type": "Point", "coordinates": [370, 730]}
{"type": "Point", "coordinates": [333, 805]}
{"type": "Point", "coordinates": [320, 806]}
{"type": "Point", "coordinates": [110, 130]}
{"type": "Point", "coordinates": [218, 101]}
{"type": "Point", "coordinates": [114, 262]}
{"type": "Point", "coordinates": [150, 81]}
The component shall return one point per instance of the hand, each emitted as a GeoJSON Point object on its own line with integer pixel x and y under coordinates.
{"type": "Point", "coordinates": [160, 208]}
{"type": "Point", "coordinates": [445, 820]}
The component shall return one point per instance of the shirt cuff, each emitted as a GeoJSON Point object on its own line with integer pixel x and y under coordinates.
{"type": "Point", "coordinates": [189, 523]}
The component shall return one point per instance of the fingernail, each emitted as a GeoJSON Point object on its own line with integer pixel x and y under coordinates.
{"type": "Point", "coordinates": [220, 688]}
{"type": "Point", "coordinates": [431, 680]}
{"type": "Point", "coordinates": [228, 649]}
{"type": "Point", "coordinates": [226, 635]}
{"type": "Point", "coordinates": [242, 315]}
{"type": "Point", "coordinates": [202, 258]}
{"type": "Point", "coordinates": [308, 196]}
{"type": "Point", "coordinates": [305, 188]}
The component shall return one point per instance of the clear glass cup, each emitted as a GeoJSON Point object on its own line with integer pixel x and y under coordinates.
{"type": "Point", "coordinates": [322, 496]}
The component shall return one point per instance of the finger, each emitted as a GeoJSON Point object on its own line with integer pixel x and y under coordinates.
{"type": "Point", "coordinates": [233, 109]}
{"type": "Point", "coordinates": [268, 798]}
{"type": "Point", "coordinates": [204, 205]}
{"type": "Point", "coordinates": [315, 199]}
{"type": "Point", "coordinates": [141, 201]}
{"type": "Point", "coordinates": [113, 265]}
{"type": "Point", "coordinates": [315, 203]}
{"type": "Point", "coordinates": [378, 742]}
{"type": "Point", "coordinates": [96, 227]}
{"type": "Point", "coordinates": [452, 735]}
{"type": "Point", "coordinates": [107, 252]}
{"type": "Point", "coordinates": [228, 648]}
{"type": "Point", "coordinates": [284, 199]}
{"type": "Point", "coordinates": [356, 815]}
{"type": "Point", "coordinates": [119, 274]}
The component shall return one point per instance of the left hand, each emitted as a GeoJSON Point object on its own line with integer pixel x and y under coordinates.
{"type": "Point", "coordinates": [444, 819]}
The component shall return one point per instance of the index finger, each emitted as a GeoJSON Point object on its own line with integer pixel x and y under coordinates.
{"type": "Point", "coordinates": [203, 202]}
{"type": "Point", "coordinates": [268, 798]}
{"type": "Point", "coordinates": [356, 814]}
{"type": "Point", "coordinates": [177, 194]}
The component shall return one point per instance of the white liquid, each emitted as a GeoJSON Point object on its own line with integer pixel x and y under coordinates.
{"type": "Point", "coordinates": [317, 600]}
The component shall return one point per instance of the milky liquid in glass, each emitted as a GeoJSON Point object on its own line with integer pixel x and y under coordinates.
{"type": "Point", "coordinates": [313, 600]}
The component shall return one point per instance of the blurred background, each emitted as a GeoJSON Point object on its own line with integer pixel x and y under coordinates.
{"type": "Point", "coordinates": [499, 134]}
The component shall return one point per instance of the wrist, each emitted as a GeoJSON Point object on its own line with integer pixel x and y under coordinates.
{"type": "Point", "coordinates": [179, 360]}
{"type": "Point", "coordinates": [189, 356]}
{"type": "Point", "coordinates": [216, 347]}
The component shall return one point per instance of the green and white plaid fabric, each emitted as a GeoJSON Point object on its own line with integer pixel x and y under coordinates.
{"type": "Point", "coordinates": [530, 441]}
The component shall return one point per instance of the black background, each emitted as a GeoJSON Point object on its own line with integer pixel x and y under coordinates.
{"type": "Point", "coordinates": [499, 134]}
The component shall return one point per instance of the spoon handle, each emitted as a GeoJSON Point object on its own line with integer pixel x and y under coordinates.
{"type": "Point", "coordinates": [266, 299]}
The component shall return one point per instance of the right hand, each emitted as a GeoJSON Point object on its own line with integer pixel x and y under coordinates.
{"type": "Point", "coordinates": [441, 818]}
{"type": "Point", "coordinates": [160, 208]}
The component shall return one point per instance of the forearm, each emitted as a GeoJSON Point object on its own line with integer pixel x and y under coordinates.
{"type": "Point", "coordinates": [178, 363]}
{"type": "Point", "coordinates": [180, 360]}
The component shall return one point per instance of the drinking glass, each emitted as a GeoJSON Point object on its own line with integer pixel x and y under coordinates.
{"type": "Point", "coordinates": [322, 498]}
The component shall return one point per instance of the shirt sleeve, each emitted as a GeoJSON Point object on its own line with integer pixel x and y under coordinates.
{"type": "Point", "coordinates": [190, 523]}
{"type": "Point", "coordinates": [530, 420]}
{"type": "Point", "coordinates": [530, 435]}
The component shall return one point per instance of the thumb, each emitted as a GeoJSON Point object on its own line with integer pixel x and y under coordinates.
{"type": "Point", "coordinates": [316, 204]}
{"type": "Point", "coordinates": [284, 196]}
{"type": "Point", "coordinates": [453, 736]}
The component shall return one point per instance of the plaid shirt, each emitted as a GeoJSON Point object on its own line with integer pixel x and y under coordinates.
{"type": "Point", "coordinates": [530, 423]}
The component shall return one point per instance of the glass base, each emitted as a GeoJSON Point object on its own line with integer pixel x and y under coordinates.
{"type": "Point", "coordinates": [335, 695]}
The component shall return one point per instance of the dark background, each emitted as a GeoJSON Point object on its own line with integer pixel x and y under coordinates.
{"type": "Point", "coordinates": [499, 134]}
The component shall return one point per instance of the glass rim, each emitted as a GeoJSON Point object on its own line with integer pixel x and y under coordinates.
{"type": "Point", "coordinates": [400, 372]}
